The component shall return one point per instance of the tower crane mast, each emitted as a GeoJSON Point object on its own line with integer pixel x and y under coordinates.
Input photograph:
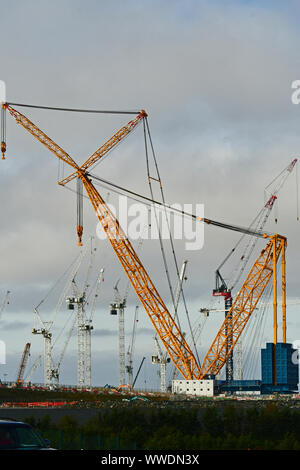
{"type": "Point", "coordinates": [118, 308]}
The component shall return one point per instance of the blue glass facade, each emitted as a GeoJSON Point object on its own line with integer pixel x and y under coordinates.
{"type": "Point", "coordinates": [287, 369]}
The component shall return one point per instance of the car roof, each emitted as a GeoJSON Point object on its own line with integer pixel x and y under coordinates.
{"type": "Point", "coordinates": [10, 421]}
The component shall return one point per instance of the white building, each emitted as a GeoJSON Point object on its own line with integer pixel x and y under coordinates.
{"type": "Point", "coordinates": [204, 388]}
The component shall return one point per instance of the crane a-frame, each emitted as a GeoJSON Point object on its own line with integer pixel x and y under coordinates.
{"type": "Point", "coordinates": [163, 322]}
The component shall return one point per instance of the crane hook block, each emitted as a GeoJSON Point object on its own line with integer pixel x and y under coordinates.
{"type": "Point", "coordinates": [79, 233]}
{"type": "Point", "coordinates": [3, 150]}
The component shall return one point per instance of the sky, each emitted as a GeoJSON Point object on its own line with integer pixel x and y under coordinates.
{"type": "Point", "coordinates": [215, 79]}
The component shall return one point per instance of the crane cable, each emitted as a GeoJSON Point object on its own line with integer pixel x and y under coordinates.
{"type": "Point", "coordinates": [170, 236]}
{"type": "Point", "coordinates": [75, 110]}
{"type": "Point", "coordinates": [254, 332]}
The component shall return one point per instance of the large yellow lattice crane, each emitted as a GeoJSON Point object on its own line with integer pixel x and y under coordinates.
{"type": "Point", "coordinates": [163, 322]}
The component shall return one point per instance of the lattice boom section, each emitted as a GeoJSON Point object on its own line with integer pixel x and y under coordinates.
{"type": "Point", "coordinates": [165, 326]}
{"type": "Point", "coordinates": [242, 308]}
{"type": "Point", "coordinates": [42, 137]}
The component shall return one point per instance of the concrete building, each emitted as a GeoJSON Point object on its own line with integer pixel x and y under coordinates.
{"type": "Point", "coordinates": [201, 388]}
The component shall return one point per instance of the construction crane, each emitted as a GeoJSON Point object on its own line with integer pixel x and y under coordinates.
{"type": "Point", "coordinates": [79, 299]}
{"type": "Point", "coordinates": [22, 366]}
{"type": "Point", "coordinates": [221, 287]}
{"type": "Point", "coordinates": [264, 268]}
{"type": "Point", "coordinates": [162, 359]}
{"type": "Point", "coordinates": [117, 308]}
{"type": "Point", "coordinates": [55, 372]}
{"type": "Point", "coordinates": [46, 327]}
{"type": "Point", "coordinates": [88, 327]}
{"type": "Point", "coordinates": [129, 366]}
{"type": "Point", "coordinates": [84, 326]}
{"type": "Point", "coordinates": [170, 335]}
{"type": "Point", "coordinates": [32, 369]}
{"type": "Point", "coordinates": [47, 335]}
{"type": "Point", "coordinates": [138, 372]}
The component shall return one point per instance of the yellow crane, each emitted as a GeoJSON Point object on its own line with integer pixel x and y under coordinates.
{"type": "Point", "coordinates": [162, 321]}
{"type": "Point", "coordinates": [23, 363]}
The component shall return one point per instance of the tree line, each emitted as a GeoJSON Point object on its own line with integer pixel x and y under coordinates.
{"type": "Point", "coordinates": [230, 427]}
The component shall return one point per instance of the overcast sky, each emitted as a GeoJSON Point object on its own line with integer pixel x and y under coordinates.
{"type": "Point", "coordinates": [215, 79]}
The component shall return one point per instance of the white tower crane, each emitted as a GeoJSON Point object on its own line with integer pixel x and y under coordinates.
{"type": "Point", "coordinates": [79, 299]}
{"type": "Point", "coordinates": [37, 362]}
{"type": "Point", "coordinates": [55, 372]}
{"type": "Point", "coordinates": [117, 308]}
{"type": "Point", "coordinates": [162, 359]}
{"type": "Point", "coordinates": [88, 327]}
{"type": "Point", "coordinates": [46, 327]}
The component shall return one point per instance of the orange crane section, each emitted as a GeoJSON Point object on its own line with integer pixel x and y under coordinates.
{"type": "Point", "coordinates": [246, 300]}
{"type": "Point", "coordinates": [164, 324]}
{"type": "Point", "coordinates": [22, 365]}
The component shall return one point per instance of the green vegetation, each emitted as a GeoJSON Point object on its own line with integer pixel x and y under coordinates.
{"type": "Point", "coordinates": [21, 395]}
{"type": "Point", "coordinates": [229, 427]}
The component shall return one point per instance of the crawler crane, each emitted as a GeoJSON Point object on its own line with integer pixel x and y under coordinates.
{"type": "Point", "coordinates": [163, 322]}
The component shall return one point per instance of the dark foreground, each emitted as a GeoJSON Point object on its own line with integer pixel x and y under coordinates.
{"type": "Point", "coordinates": [160, 424]}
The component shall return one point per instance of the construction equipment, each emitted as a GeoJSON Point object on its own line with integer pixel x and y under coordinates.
{"type": "Point", "coordinates": [117, 308]}
{"type": "Point", "coordinates": [22, 366]}
{"type": "Point", "coordinates": [258, 224]}
{"type": "Point", "coordinates": [55, 371]}
{"type": "Point", "coordinates": [79, 299]}
{"type": "Point", "coordinates": [84, 326]}
{"type": "Point", "coordinates": [129, 366]}
{"type": "Point", "coordinates": [162, 359]}
{"type": "Point", "coordinates": [47, 335]}
{"type": "Point", "coordinates": [138, 373]}
{"type": "Point", "coordinates": [244, 304]}
{"type": "Point", "coordinates": [170, 335]}
{"type": "Point", "coordinates": [46, 327]}
{"type": "Point", "coordinates": [88, 327]}
{"type": "Point", "coordinates": [32, 369]}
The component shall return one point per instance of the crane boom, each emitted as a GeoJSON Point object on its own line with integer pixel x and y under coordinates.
{"type": "Point", "coordinates": [165, 326]}
{"type": "Point", "coordinates": [158, 313]}
{"type": "Point", "coordinates": [107, 146]}
{"type": "Point", "coordinates": [23, 363]}
{"type": "Point", "coordinates": [162, 321]}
